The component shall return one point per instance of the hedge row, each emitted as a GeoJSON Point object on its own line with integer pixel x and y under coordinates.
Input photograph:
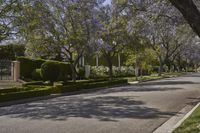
{"type": "Point", "coordinates": [30, 69]}
{"type": "Point", "coordinates": [55, 71]}
{"type": "Point", "coordinates": [80, 82]}
{"type": "Point", "coordinates": [35, 89]}
{"type": "Point", "coordinates": [15, 89]}
{"type": "Point", "coordinates": [81, 86]}
{"type": "Point", "coordinates": [10, 51]}
{"type": "Point", "coordinates": [25, 94]}
{"type": "Point", "coordinates": [27, 66]}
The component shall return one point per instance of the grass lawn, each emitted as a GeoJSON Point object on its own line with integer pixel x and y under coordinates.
{"type": "Point", "coordinates": [190, 125]}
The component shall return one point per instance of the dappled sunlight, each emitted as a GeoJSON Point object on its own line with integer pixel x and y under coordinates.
{"type": "Point", "coordinates": [107, 108]}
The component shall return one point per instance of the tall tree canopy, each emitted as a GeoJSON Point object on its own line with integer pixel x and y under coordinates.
{"type": "Point", "coordinates": [190, 12]}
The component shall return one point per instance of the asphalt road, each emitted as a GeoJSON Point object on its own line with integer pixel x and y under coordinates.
{"type": "Point", "coordinates": [137, 108]}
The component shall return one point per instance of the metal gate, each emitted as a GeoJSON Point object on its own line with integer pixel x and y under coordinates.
{"type": "Point", "coordinates": [6, 70]}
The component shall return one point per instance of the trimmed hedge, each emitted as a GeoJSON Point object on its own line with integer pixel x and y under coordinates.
{"type": "Point", "coordinates": [10, 90]}
{"type": "Point", "coordinates": [80, 82]}
{"type": "Point", "coordinates": [50, 71]}
{"type": "Point", "coordinates": [36, 74]}
{"type": "Point", "coordinates": [81, 86]}
{"type": "Point", "coordinates": [36, 89]}
{"type": "Point", "coordinates": [27, 66]}
{"type": "Point", "coordinates": [25, 94]}
{"type": "Point", "coordinates": [30, 69]}
{"type": "Point", "coordinates": [65, 71]}
{"type": "Point", "coordinates": [10, 51]}
{"type": "Point", "coordinates": [56, 71]}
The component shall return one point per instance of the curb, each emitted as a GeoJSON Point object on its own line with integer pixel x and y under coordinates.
{"type": "Point", "coordinates": [175, 121]}
{"type": "Point", "coordinates": [185, 117]}
{"type": "Point", "coordinates": [22, 101]}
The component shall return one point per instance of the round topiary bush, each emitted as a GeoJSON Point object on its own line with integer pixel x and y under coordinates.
{"type": "Point", "coordinates": [65, 71]}
{"type": "Point", "coordinates": [36, 74]}
{"type": "Point", "coordinates": [50, 71]}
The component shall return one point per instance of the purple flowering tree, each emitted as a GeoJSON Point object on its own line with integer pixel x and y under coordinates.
{"type": "Point", "coordinates": [9, 10]}
{"type": "Point", "coordinates": [66, 27]}
{"type": "Point", "coordinates": [157, 23]}
{"type": "Point", "coordinates": [110, 35]}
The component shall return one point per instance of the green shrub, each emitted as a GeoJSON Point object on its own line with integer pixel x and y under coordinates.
{"type": "Point", "coordinates": [25, 94]}
{"type": "Point", "coordinates": [81, 72]}
{"type": "Point", "coordinates": [84, 85]}
{"type": "Point", "coordinates": [155, 69]}
{"type": "Point", "coordinates": [15, 89]}
{"type": "Point", "coordinates": [10, 51]}
{"type": "Point", "coordinates": [50, 71]}
{"type": "Point", "coordinates": [27, 66]}
{"type": "Point", "coordinates": [36, 74]}
{"type": "Point", "coordinates": [65, 71]}
{"type": "Point", "coordinates": [39, 62]}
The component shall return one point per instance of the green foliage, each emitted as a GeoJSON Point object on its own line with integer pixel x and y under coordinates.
{"type": "Point", "coordinates": [81, 72]}
{"type": "Point", "coordinates": [11, 51]}
{"type": "Point", "coordinates": [36, 74]}
{"type": "Point", "coordinates": [30, 69]}
{"type": "Point", "coordinates": [21, 93]}
{"type": "Point", "coordinates": [191, 124]}
{"type": "Point", "coordinates": [92, 85]}
{"type": "Point", "coordinates": [50, 71]}
{"type": "Point", "coordinates": [65, 71]}
{"type": "Point", "coordinates": [27, 66]}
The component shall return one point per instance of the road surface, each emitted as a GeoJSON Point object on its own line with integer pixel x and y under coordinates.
{"type": "Point", "coordinates": [137, 108]}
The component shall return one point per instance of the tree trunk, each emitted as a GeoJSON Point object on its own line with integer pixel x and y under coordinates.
{"type": "Point", "coordinates": [73, 68]}
{"type": "Point", "coordinates": [110, 70]}
{"type": "Point", "coordinates": [161, 67]}
{"type": "Point", "coordinates": [190, 12]}
{"type": "Point", "coordinates": [136, 68]}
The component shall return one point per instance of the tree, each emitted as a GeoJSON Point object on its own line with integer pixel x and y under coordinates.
{"type": "Point", "coordinates": [66, 27]}
{"type": "Point", "coordinates": [190, 12]}
{"type": "Point", "coordinates": [9, 10]}
{"type": "Point", "coordinates": [111, 34]}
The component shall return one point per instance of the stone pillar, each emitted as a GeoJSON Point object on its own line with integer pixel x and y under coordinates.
{"type": "Point", "coordinates": [87, 71]}
{"type": "Point", "coordinates": [16, 70]}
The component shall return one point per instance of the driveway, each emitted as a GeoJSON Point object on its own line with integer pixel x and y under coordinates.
{"type": "Point", "coordinates": [137, 108]}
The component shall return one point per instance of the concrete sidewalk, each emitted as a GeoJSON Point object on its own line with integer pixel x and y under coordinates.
{"type": "Point", "coordinates": [8, 84]}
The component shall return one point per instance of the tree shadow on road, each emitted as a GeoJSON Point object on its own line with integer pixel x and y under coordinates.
{"type": "Point", "coordinates": [133, 88]}
{"type": "Point", "coordinates": [193, 101]}
{"type": "Point", "coordinates": [106, 108]}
